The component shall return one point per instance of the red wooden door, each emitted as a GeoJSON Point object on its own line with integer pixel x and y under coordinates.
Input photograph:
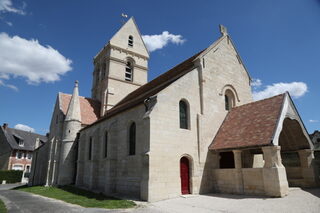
{"type": "Point", "coordinates": [184, 175]}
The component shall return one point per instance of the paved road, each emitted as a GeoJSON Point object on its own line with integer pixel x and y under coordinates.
{"type": "Point", "coordinates": [298, 201]}
{"type": "Point", "coordinates": [23, 202]}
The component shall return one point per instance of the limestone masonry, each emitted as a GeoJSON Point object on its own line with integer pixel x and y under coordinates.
{"type": "Point", "coordinates": [194, 129]}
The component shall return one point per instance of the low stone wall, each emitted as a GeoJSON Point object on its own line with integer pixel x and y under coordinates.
{"type": "Point", "coordinates": [294, 172]}
{"type": "Point", "coordinates": [317, 163]}
{"type": "Point", "coordinates": [225, 180]}
{"type": "Point", "coordinates": [253, 181]}
{"type": "Point", "coordinates": [248, 181]}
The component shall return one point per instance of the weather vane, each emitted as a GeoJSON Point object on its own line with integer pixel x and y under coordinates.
{"type": "Point", "coordinates": [124, 17]}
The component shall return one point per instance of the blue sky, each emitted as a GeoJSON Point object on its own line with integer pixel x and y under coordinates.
{"type": "Point", "coordinates": [46, 45]}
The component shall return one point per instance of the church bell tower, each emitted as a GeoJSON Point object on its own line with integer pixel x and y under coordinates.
{"type": "Point", "coordinates": [120, 67]}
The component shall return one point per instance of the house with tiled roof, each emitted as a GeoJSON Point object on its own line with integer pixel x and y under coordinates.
{"type": "Point", "coordinates": [194, 129]}
{"type": "Point", "coordinates": [315, 138]}
{"type": "Point", "coordinates": [17, 147]}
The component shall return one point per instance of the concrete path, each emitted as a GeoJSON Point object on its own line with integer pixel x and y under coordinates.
{"type": "Point", "coordinates": [298, 201]}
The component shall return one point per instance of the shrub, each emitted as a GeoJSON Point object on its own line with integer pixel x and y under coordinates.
{"type": "Point", "coordinates": [11, 176]}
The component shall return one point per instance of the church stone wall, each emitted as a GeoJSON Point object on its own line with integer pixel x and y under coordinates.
{"type": "Point", "coordinates": [221, 68]}
{"type": "Point", "coordinates": [48, 156]}
{"type": "Point", "coordinates": [118, 172]}
{"type": "Point", "coordinates": [39, 164]}
{"type": "Point", "coordinates": [168, 142]}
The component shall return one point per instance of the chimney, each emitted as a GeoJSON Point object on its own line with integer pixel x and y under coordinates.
{"type": "Point", "coordinates": [5, 125]}
{"type": "Point", "coordinates": [37, 144]}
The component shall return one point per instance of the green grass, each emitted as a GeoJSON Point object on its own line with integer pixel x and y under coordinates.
{"type": "Point", "coordinates": [78, 196]}
{"type": "Point", "coordinates": [3, 208]}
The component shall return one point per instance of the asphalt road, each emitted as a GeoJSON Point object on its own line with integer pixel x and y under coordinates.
{"type": "Point", "coordinates": [23, 202]}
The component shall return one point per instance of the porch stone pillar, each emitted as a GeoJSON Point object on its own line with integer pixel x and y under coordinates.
{"type": "Point", "coordinates": [238, 171]}
{"type": "Point", "coordinates": [272, 157]}
{"type": "Point", "coordinates": [274, 174]}
{"type": "Point", "coordinates": [237, 159]}
{"type": "Point", "coordinates": [308, 171]}
{"type": "Point", "coordinates": [306, 156]}
{"type": "Point", "coordinates": [215, 165]}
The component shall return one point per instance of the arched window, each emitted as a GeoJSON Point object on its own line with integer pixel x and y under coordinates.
{"type": "Point", "coordinates": [106, 144]}
{"type": "Point", "coordinates": [132, 139]}
{"type": "Point", "coordinates": [229, 100]}
{"type": "Point", "coordinates": [130, 41]}
{"type": "Point", "coordinates": [183, 112]}
{"type": "Point", "coordinates": [90, 149]}
{"type": "Point", "coordinates": [226, 102]}
{"type": "Point", "coordinates": [129, 71]}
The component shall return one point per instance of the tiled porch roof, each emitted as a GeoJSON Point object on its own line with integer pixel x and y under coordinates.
{"type": "Point", "coordinates": [249, 125]}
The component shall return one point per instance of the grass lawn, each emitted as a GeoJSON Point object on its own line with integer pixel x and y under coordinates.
{"type": "Point", "coordinates": [3, 208]}
{"type": "Point", "coordinates": [78, 196]}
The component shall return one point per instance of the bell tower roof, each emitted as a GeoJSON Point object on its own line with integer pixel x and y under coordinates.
{"type": "Point", "coordinates": [130, 30]}
{"type": "Point", "coordinates": [73, 113]}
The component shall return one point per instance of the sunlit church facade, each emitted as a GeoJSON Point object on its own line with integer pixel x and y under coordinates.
{"type": "Point", "coordinates": [194, 129]}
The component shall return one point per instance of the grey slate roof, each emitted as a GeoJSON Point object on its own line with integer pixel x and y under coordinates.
{"type": "Point", "coordinates": [28, 138]}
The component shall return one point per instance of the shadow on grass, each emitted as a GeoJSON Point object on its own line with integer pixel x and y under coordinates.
{"type": "Point", "coordinates": [77, 191]}
{"type": "Point", "coordinates": [85, 193]}
{"type": "Point", "coordinates": [20, 187]}
{"type": "Point", "coordinates": [82, 197]}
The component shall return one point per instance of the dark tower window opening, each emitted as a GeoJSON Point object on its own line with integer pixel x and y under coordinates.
{"type": "Point", "coordinates": [130, 41]}
{"type": "Point", "coordinates": [129, 71]}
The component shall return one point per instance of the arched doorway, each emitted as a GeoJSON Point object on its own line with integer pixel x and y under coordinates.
{"type": "Point", "coordinates": [292, 140]}
{"type": "Point", "coordinates": [184, 175]}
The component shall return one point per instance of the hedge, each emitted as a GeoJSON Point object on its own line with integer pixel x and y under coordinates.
{"type": "Point", "coordinates": [11, 176]}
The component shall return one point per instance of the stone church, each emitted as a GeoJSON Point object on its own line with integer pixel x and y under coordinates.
{"type": "Point", "coordinates": [194, 129]}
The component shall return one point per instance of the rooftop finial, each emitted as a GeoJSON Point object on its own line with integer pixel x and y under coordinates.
{"type": "Point", "coordinates": [223, 30]}
{"type": "Point", "coordinates": [76, 83]}
{"type": "Point", "coordinates": [124, 17]}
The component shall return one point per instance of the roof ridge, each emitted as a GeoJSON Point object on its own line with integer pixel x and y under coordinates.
{"type": "Point", "coordinates": [26, 131]}
{"type": "Point", "coordinates": [254, 102]}
{"type": "Point", "coordinates": [159, 77]}
{"type": "Point", "coordinates": [80, 96]}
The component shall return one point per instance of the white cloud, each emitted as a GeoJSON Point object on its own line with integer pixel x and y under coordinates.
{"type": "Point", "coordinates": [256, 82]}
{"type": "Point", "coordinates": [296, 90]}
{"type": "Point", "coordinates": [155, 42]}
{"type": "Point", "coordinates": [24, 128]}
{"type": "Point", "coordinates": [20, 57]}
{"type": "Point", "coordinates": [7, 7]}
{"type": "Point", "coordinates": [9, 23]}
{"type": "Point", "coordinates": [313, 121]}
{"type": "Point", "coordinates": [8, 85]}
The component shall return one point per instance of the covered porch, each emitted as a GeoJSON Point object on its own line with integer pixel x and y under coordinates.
{"type": "Point", "coordinates": [263, 148]}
